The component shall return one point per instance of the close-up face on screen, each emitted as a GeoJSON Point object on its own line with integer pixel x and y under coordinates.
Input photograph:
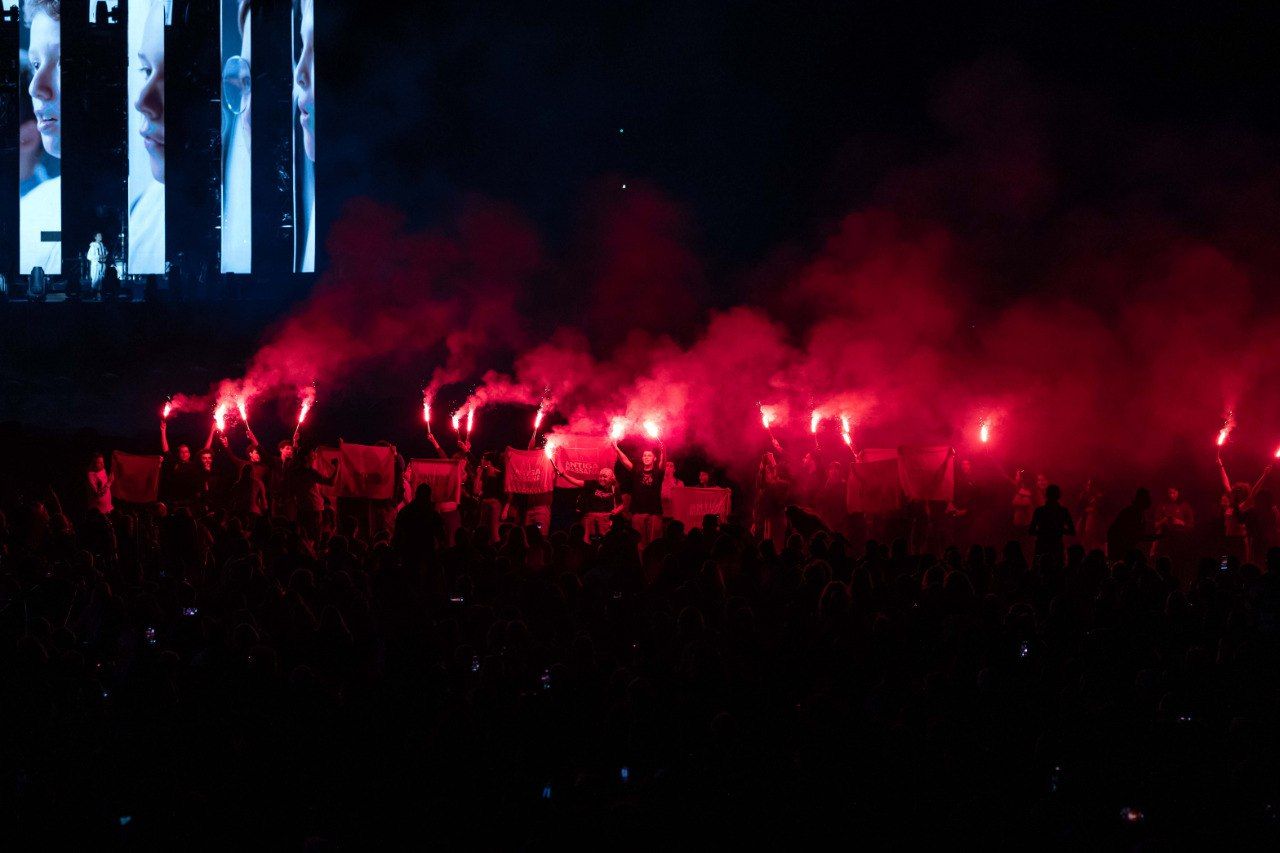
{"type": "Point", "coordinates": [146, 136]}
{"type": "Point", "coordinates": [304, 96]}
{"type": "Point", "coordinates": [40, 137]}
{"type": "Point", "coordinates": [237, 163]}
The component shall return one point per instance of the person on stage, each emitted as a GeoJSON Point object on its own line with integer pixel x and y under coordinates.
{"type": "Point", "coordinates": [40, 210]}
{"type": "Point", "coordinates": [97, 263]}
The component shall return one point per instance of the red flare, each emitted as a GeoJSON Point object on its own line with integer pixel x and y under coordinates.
{"type": "Point", "coordinates": [220, 417]}
{"type": "Point", "coordinates": [471, 420]}
{"type": "Point", "coordinates": [814, 420]}
{"type": "Point", "coordinates": [242, 406]}
{"type": "Point", "coordinates": [846, 430]}
{"type": "Point", "coordinates": [984, 432]}
{"type": "Point", "coordinates": [168, 409]}
{"type": "Point", "coordinates": [1277, 455]}
{"type": "Point", "coordinates": [767, 416]}
{"type": "Point", "coordinates": [537, 419]}
{"type": "Point", "coordinates": [618, 428]}
{"type": "Point", "coordinates": [1228, 424]}
{"type": "Point", "coordinates": [549, 448]}
{"type": "Point", "coordinates": [456, 420]}
{"type": "Point", "coordinates": [426, 411]}
{"type": "Point", "coordinates": [651, 429]}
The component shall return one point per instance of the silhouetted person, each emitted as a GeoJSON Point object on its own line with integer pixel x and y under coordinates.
{"type": "Point", "coordinates": [1050, 523]}
{"type": "Point", "coordinates": [419, 529]}
{"type": "Point", "coordinates": [1128, 531]}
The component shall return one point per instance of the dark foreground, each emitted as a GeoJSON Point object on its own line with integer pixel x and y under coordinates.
{"type": "Point", "coordinates": [193, 683]}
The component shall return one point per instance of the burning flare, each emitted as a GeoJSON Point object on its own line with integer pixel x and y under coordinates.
{"type": "Point", "coordinates": [426, 411]}
{"type": "Point", "coordinates": [814, 420]}
{"type": "Point", "coordinates": [471, 420]}
{"type": "Point", "coordinates": [846, 430]}
{"type": "Point", "coordinates": [550, 448]}
{"type": "Point", "coordinates": [984, 432]}
{"type": "Point", "coordinates": [220, 417]}
{"type": "Point", "coordinates": [308, 400]}
{"type": "Point", "coordinates": [242, 406]}
{"type": "Point", "coordinates": [456, 420]}
{"type": "Point", "coordinates": [617, 428]}
{"type": "Point", "coordinates": [651, 429]}
{"type": "Point", "coordinates": [767, 416]}
{"type": "Point", "coordinates": [1228, 424]}
{"type": "Point", "coordinates": [168, 409]}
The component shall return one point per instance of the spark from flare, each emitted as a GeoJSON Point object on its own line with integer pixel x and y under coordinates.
{"type": "Point", "coordinates": [1228, 424]}
{"type": "Point", "coordinates": [846, 430]}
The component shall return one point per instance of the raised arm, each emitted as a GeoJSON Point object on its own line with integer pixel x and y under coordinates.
{"type": "Point", "coordinates": [1222, 469]}
{"type": "Point", "coordinates": [164, 436]}
{"type": "Point", "coordinates": [623, 458]}
{"type": "Point", "coordinates": [208, 442]}
{"type": "Point", "coordinates": [571, 480]}
{"type": "Point", "coordinates": [439, 450]}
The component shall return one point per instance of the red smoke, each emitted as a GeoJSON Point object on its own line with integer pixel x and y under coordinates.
{"type": "Point", "coordinates": [1084, 336]}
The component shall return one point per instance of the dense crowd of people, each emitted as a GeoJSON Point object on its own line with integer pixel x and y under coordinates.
{"type": "Point", "coordinates": [247, 662]}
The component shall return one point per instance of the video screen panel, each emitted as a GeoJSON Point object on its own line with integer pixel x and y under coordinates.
{"type": "Point", "coordinates": [132, 74]}
{"type": "Point", "coordinates": [40, 138]}
{"type": "Point", "coordinates": [304, 102]}
{"type": "Point", "coordinates": [147, 20]}
{"type": "Point", "coordinates": [237, 153]}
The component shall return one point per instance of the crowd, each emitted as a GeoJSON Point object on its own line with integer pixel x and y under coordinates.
{"type": "Point", "coordinates": [245, 663]}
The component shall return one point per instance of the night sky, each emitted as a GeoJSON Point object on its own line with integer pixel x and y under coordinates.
{"type": "Point", "coordinates": [766, 120]}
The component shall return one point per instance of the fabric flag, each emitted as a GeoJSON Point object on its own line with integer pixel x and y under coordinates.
{"type": "Point", "coordinates": [528, 472]}
{"type": "Point", "coordinates": [874, 482]}
{"type": "Point", "coordinates": [366, 471]}
{"type": "Point", "coordinates": [928, 473]}
{"type": "Point", "coordinates": [689, 504]}
{"type": "Point", "coordinates": [444, 476]}
{"type": "Point", "coordinates": [323, 464]}
{"type": "Point", "coordinates": [582, 456]}
{"type": "Point", "coordinates": [137, 478]}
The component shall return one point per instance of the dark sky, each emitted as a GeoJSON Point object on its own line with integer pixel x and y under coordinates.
{"type": "Point", "coordinates": [764, 118]}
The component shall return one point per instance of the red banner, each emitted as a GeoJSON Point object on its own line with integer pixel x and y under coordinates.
{"type": "Point", "coordinates": [690, 504]}
{"type": "Point", "coordinates": [366, 471]}
{"type": "Point", "coordinates": [444, 476]}
{"type": "Point", "coordinates": [874, 482]}
{"type": "Point", "coordinates": [137, 478]}
{"type": "Point", "coordinates": [528, 472]}
{"type": "Point", "coordinates": [928, 473]}
{"type": "Point", "coordinates": [582, 456]}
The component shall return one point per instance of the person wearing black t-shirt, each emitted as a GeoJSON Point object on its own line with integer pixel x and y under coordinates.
{"type": "Point", "coordinates": [598, 503]}
{"type": "Point", "coordinates": [644, 499]}
{"type": "Point", "coordinates": [185, 480]}
{"type": "Point", "coordinates": [490, 490]}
